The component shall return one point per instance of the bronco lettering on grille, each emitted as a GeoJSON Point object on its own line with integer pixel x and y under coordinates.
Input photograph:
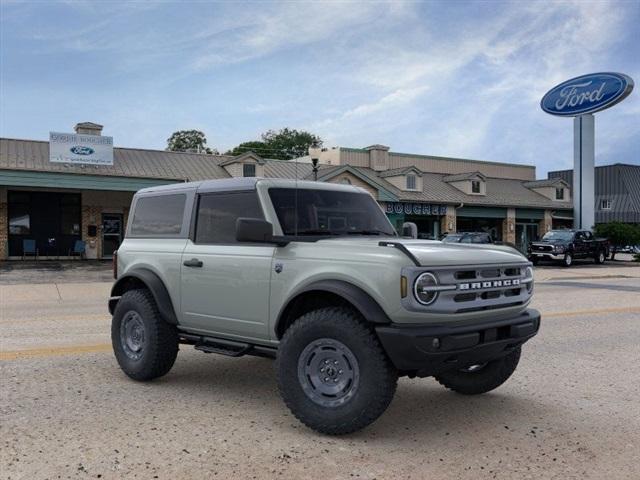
{"type": "Point", "coordinates": [492, 284]}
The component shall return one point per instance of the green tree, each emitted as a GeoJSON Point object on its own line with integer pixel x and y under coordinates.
{"type": "Point", "coordinates": [259, 148]}
{"type": "Point", "coordinates": [188, 141]}
{"type": "Point", "coordinates": [619, 235]}
{"type": "Point", "coordinates": [283, 144]}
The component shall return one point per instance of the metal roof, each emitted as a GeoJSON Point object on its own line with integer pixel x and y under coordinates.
{"type": "Point", "coordinates": [33, 155]}
{"type": "Point", "coordinates": [620, 184]}
{"type": "Point", "coordinates": [463, 176]}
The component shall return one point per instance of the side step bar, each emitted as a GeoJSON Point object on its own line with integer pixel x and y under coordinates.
{"type": "Point", "coordinates": [226, 347]}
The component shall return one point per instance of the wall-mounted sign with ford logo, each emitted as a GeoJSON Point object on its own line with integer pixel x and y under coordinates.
{"type": "Point", "coordinates": [80, 149]}
{"type": "Point", "coordinates": [587, 94]}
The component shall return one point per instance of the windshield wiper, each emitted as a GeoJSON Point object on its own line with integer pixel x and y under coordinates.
{"type": "Point", "coordinates": [318, 231]}
{"type": "Point", "coordinates": [369, 232]}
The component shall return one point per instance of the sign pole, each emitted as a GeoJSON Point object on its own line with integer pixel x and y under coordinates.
{"type": "Point", "coordinates": [583, 171]}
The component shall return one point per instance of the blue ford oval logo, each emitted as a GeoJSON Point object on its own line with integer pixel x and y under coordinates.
{"type": "Point", "coordinates": [79, 150]}
{"type": "Point", "coordinates": [587, 94]}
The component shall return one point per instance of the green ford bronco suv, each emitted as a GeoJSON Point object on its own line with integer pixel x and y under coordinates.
{"type": "Point", "coordinates": [314, 275]}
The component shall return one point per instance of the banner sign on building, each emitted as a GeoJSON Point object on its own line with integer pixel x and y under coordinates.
{"type": "Point", "coordinates": [80, 149]}
{"type": "Point", "coordinates": [415, 208]}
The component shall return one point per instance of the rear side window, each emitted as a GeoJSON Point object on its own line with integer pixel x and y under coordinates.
{"type": "Point", "coordinates": [218, 212]}
{"type": "Point", "coordinates": [160, 215]}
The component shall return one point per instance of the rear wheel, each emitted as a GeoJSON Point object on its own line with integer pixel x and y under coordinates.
{"type": "Point", "coordinates": [332, 372]}
{"type": "Point", "coordinates": [144, 344]}
{"type": "Point", "coordinates": [481, 378]}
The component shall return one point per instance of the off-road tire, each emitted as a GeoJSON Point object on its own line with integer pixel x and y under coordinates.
{"type": "Point", "coordinates": [600, 257]}
{"type": "Point", "coordinates": [377, 376]}
{"type": "Point", "coordinates": [487, 378]}
{"type": "Point", "coordinates": [567, 261]}
{"type": "Point", "coordinates": [160, 347]}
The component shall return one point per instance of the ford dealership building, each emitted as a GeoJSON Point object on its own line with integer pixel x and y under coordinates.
{"type": "Point", "coordinates": [78, 188]}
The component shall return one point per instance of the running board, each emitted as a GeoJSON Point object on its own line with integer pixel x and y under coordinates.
{"type": "Point", "coordinates": [226, 347]}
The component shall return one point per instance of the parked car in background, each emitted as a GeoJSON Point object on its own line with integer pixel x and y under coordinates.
{"type": "Point", "coordinates": [566, 245]}
{"type": "Point", "coordinates": [468, 237]}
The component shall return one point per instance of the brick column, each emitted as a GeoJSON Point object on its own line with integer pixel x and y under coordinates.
{"type": "Point", "coordinates": [91, 215]}
{"type": "Point", "coordinates": [4, 226]}
{"type": "Point", "coordinates": [509, 226]}
{"type": "Point", "coordinates": [545, 224]}
{"type": "Point", "coordinates": [448, 220]}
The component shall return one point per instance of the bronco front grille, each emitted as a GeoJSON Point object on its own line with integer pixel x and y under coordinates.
{"type": "Point", "coordinates": [474, 288]}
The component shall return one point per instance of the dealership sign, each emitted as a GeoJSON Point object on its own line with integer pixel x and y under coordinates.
{"type": "Point", "coordinates": [587, 94]}
{"type": "Point", "coordinates": [80, 149]}
{"type": "Point", "coordinates": [415, 208]}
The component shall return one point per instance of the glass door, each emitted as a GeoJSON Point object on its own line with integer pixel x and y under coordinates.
{"type": "Point", "coordinates": [525, 233]}
{"type": "Point", "coordinates": [111, 233]}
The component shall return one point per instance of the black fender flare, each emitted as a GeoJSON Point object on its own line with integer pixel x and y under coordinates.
{"type": "Point", "coordinates": [361, 300]}
{"type": "Point", "coordinates": [154, 284]}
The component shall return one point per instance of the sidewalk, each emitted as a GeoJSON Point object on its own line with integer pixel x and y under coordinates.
{"type": "Point", "coordinates": [48, 271]}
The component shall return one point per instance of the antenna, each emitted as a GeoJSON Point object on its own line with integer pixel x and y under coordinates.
{"type": "Point", "coordinates": [295, 200]}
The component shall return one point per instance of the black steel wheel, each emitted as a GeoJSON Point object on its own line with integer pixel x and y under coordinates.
{"type": "Point", "coordinates": [332, 372]}
{"type": "Point", "coordinates": [481, 378]}
{"type": "Point", "coordinates": [143, 343]}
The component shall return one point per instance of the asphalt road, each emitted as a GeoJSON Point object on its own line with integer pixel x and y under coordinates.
{"type": "Point", "coordinates": [571, 410]}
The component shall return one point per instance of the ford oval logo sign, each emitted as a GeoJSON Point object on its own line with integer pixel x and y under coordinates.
{"type": "Point", "coordinates": [587, 94]}
{"type": "Point", "coordinates": [79, 150]}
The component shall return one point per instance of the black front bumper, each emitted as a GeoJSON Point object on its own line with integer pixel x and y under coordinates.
{"type": "Point", "coordinates": [429, 350]}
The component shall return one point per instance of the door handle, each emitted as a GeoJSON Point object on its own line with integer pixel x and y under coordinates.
{"type": "Point", "coordinates": [194, 262]}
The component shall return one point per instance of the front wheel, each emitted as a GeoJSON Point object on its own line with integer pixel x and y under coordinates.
{"type": "Point", "coordinates": [332, 372]}
{"type": "Point", "coordinates": [567, 261]}
{"type": "Point", "coordinates": [482, 378]}
{"type": "Point", "coordinates": [600, 257]}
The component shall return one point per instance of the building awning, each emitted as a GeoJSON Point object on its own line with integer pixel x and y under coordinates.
{"type": "Point", "coordinates": [482, 212]}
{"type": "Point", "coordinates": [562, 216]}
{"type": "Point", "coordinates": [28, 178]}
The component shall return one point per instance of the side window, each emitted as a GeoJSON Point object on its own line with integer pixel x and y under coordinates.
{"type": "Point", "coordinates": [160, 215]}
{"type": "Point", "coordinates": [218, 212]}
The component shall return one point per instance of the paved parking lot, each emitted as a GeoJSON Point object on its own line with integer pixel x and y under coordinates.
{"type": "Point", "coordinates": [570, 411]}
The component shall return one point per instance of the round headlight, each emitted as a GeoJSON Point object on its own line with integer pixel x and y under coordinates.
{"type": "Point", "coordinates": [421, 288]}
{"type": "Point", "coordinates": [528, 274]}
{"type": "Point", "coordinates": [560, 248]}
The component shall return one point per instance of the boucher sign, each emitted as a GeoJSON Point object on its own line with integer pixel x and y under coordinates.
{"type": "Point", "coordinates": [80, 149]}
{"type": "Point", "coordinates": [415, 208]}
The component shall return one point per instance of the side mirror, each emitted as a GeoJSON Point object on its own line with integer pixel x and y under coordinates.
{"type": "Point", "coordinates": [409, 229]}
{"type": "Point", "coordinates": [254, 230]}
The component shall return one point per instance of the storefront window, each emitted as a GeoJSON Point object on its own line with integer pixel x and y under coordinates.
{"type": "Point", "coordinates": [19, 220]}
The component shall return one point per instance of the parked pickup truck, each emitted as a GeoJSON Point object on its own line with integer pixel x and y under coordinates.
{"type": "Point", "coordinates": [566, 245]}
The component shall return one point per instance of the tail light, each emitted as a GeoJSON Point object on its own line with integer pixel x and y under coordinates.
{"type": "Point", "coordinates": [114, 264]}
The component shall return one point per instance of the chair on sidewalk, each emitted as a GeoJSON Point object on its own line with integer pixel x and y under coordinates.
{"type": "Point", "coordinates": [79, 248]}
{"type": "Point", "coordinates": [29, 248]}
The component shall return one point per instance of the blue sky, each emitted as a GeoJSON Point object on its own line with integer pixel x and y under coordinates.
{"type": "Point", "coordinates": [460, 79]}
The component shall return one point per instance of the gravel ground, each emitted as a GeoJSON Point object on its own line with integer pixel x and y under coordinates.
{"type": "Point", "coordinates": [571, 410]}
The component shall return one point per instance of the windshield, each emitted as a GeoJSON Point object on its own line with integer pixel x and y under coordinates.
{"type": "Point", "coordinates": [558, 235]}
{"type": "Point", "coordinates": [328, 212]}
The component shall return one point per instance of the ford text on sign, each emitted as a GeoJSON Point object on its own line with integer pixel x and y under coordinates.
{"type": "Point", "coordinates": [85, 149]}
{"type": "Point", "coordinates": [587, 94]}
